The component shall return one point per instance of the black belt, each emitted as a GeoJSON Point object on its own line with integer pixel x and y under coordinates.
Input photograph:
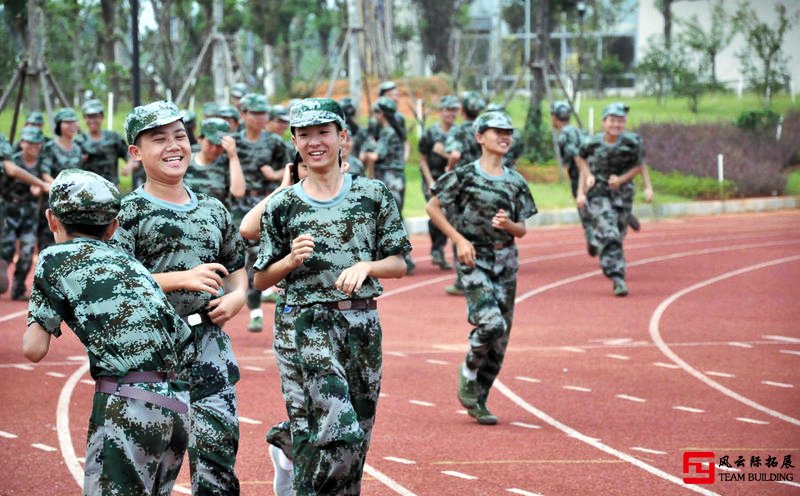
{"type": "Point", "coordinates": [365, 304]}
{"type": "Point", "coordinates": [497, 246]}
{"type": "Point", "coordinates": [120, 387]}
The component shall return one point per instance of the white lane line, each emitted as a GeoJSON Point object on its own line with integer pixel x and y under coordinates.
{"type": "Point", "coordinates": [526, 426]}
{"type": "Point", "coordinates": [88, 382]}
{"type": "Point", "coordinates": [655, 335]}
{"type": "Point", "coordinates": [254, 368]}
{"type": "Point", "coordinates": [395, 353]}
{"type": "Point", "coordinates": [462, 412]}
{"type": "Point", "coordinates": [752, 421]}
{"type": "Point", "coordinates": [514, 490]}
{"type": "Point", "coordinates": [248, 420]}
{"type": "Point", "coordinates": [14, 315]}
{"type": "Point", "coordinates": [508, 393]}
{"type": "Point", "coordinates": [43, 447]}
{"type": "Point", "coordinates": [573, 349]}
{"type": "Point", "coordinates": [437, 362]}
{"type": "Point", "coordinates": [788, 483]}
{"type": "Point", "coordinates": [181, 489]}
{"type": "Point", "coordinates": [688, 409]}
{"type": "Point", "coordinates": [56, 374]}
{"type": "Point", "coordinates": [23, 367]}
{"type": "Point", "coordinates": [404, 461]}
{"type": "Point", "coordinates": [8, 435]}
{"type": "Point", "coordinates": [421, 403]}
{"type": "Point", "coordinates": [790, 352]}
{"type": "Point", "coordinates": [737, 344]}
{"type": "Point", "coordinates": [719, 374]}
{"type": "Point", "coordinates": [386, 481]}
{"type": "Point", "coordinates": [62, 424]}
{"type": "Point", "coordinates": [618, 357]}
{"type": "Point", "coordinates": [648, 450]}
{"type": "Point", "coordinates": [666, 365]}
{"type": "Point", "coordinates": [527, 379]}
{"type": "Point", "coordinates": [76, 358]}
{"type": "Point", "coordinates": [777, 384]}
{"type": "Point", "coordinates": [578, 388]}
{"type": "Point", "coordinates": [782, 339]}
{"type": "Point", "coordinates": [453, 473]}
{"type": "Point", "coordinates": [631, 398]}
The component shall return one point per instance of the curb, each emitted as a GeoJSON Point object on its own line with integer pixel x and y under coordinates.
{"type": "Point", "coordinates": [419, 225]}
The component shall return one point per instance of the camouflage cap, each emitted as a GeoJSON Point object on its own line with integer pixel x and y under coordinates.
{"type": "Point", "coordinates": [618, 109]}
{"type": "Point", "coordinates": [255, 102]}
{"type": "Point", "coordinates": [472, 101]}
{"type": "Point", "coordinates": [561, 110]}
{"type": "Point", "coordinates": [348, 106]}
{"type": "Point", "coordinates": [82, 197]}
{"type": "Point", "coordinates": [150, 116]}
{"type": "Point", "coordinates": [495, 119]}
{"type": "Point", "coordinates": [31, 134]}
{"type": "Point", "coordinates": [495, 107]}
{"type": "Point", "coordinates": [385, 105]}
{"type": "Point", "coordinates": [315, 111]}
{"type": "Point", "coordinates": [188, 116]}
{"type": "Point", "coordinates": [35, 117]}
{"type": "Point", "coordinates": [386, 86]}
{"type": "Point", "coordinates": [279, 112]}
{"type": "Point", "coordinates": [92, 106]}
{"type": "Point", "coordinates": [209, 109]}
{"type": "Point", "coordinates": [238, 90]}
{"type": "Point", "coordinates": [228, 112]}
{"type": "Point", "coordinates": [214, 129]}
{"type": "Point", "coordinates": [449, 102]}
{"type": "Point", "coordinates": [65, 114]}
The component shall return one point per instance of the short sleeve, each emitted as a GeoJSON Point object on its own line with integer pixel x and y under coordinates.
{"type": "Point", "coordinates": [446, 188]}
{"type": "Point", "coordinates": [274, 240]}
{"type": "Point", "coordinates": [391, 232]}
{"type": "Point", "coordinates": [232, 250]}
{"type": "Point", "coordinates": [47, 304]}
{"type": "Point", "coordinates": [426, 142]}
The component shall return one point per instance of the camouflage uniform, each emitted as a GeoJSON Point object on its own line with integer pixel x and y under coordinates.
{"type": "Point", "coordinates": [211, 179]}
{"type": "Point", "coordinates": [102, 155]}
{"type": "Point", "coordinates": [609, 208]}
{"type": "Point", "coordinates": [515, 151]}
{"type": "Point", "coordinates": [54, 160]}
{"type": "Point", "coordinates": [490, 286]}
{"type": "Point", "coordinates": [570, 140]}
{"type": "Point", "coordinates": [122, 317]}
{"type": "Point", "coordinates": [337, 353]}
{"type": "Point", "coordinates": [5, 154]}
{"type": "Point", "coordinates": [436, 164]}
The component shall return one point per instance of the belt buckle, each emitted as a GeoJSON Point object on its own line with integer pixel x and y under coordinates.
{"type": "Point", "coordinates": [345, 304]}
{"type": "Point", "coordinates": [194, 319]}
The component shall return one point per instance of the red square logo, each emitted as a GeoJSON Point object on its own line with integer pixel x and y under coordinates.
{"type": "Point", "coordinates": [697, 469]}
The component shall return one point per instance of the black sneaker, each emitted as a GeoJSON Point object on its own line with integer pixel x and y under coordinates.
{"type": "Point", "coordinates": [634, 223]}
{"type": "Point", "coordinates": [592, 250]}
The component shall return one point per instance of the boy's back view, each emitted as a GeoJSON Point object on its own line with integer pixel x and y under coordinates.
{"type": "Point", "coordinates": [135, 341]}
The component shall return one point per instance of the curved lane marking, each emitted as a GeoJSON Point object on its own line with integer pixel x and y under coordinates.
{"type": "Point", "coordinates": [62, 424]}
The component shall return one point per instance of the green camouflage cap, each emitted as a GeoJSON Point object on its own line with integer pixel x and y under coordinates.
{"type": "Point", "coordinates": [618, 109]}
{"type": "Point", "coordinates": [495, 107]}
{"type": "Point", "coordinates": [279, 112]}
{"type": "Point", "coordinates": [348, 106]}
{"type": "Point", "coordinates": [238, 90]}
{"type": "Point", "coordinates": [188, 116]}
{"type": "Point", "coordinates": [255, 102]}
{"type": "Point", "coordinates": [65, 114]}
{"type": "Point", "coordinates": [228, 112]}
{"type": "Point", "coordinates": [92, 106]}
{"type": "Point", "coordinates": [315, 111]}
{"type": "Point", "coordinates": [561, 110]}
{"type": "Point", "coordinates": [210, 109]}
{"type": "Point", "coordinates": [472, 101]}
{"type": "Point", "coordinates": [150, 116]}
{"type": "Point", "coordinates": [386, 86]}
{"type": "Point", "coordinates": [495, 119]}
{"type": "Point", "coordinates": [31, 134]}
{"type": "Point", "coordinates": [214, 129]}
{"type": "Point", "coordinates": [82, 197]}
{"type": "Point", "coordinates": [449, 102]}
{"type": "Point", "coordinates": [385, 105]}
{"type": "Point", "coordinates": [35, 117]}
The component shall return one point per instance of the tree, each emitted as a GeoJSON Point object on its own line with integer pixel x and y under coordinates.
{"type": "Point", "coordinates": [764, 43]}
{"type": "Point", "coordinates": [438, 20]}
{"type": "Point", "coordinates": [533, 135]}
{"type": "Point", "coordinates": [709, 43]}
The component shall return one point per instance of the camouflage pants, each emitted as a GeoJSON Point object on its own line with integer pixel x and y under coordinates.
{"type": "Point", "coordinates": [338, 360]}
{"type": "Point", "coordinates": [133, 447]}
{"type": "Point", "coordinates": [583, 215]}
{"type": "Point", "coordinates": [213, 416]}
{"type": "Point", "coordinates": [609, 216]}
{"type": "Point", "coordinates": [490, 288]}
{"type": "Point", "coordinates": [395, 180]}
{"type": "Point", "coordinates": [20, 224]}
{"type": "Point", "coordinates": [438, 239]}
{"type": "Point", "coordinates": [239, 209]}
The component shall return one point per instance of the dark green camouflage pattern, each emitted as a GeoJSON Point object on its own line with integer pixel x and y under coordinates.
{"type": "Point", "coordinates": [461, 138]}
{"type": "Point", "coordinates": [432, 135]}
{"type": "Point", "coordinates": [150, 116]}
{"type": "Point", "coordinates": [570, 140]}
{"type": "Point", "coordinates": [214, 129]}
{"type": "Point", "coordinates": [212, 180]}
{"type": "Point", "coordinates": [92, 106]}
{"type": "Point", "coordinates": [103, 155]}
{"type": "Point", "coordinates": [55, 158]}
{"type": "Point", "coordinates": [495, 119]}
{"type": "Point", "coordinates": [268, 151]}
{"type": "Point", "coordinates": [82, 197]}
{"type": "Point", "coordinates": [605, 160]}
{"type": "Point", "coordinates": [561, 110]}
{"type": "Point", "coordinates": [316, 111]}
{"type": "Point", "coordinates": [389, 148]}
{"type": "Point", "coordinates": [31, 134]}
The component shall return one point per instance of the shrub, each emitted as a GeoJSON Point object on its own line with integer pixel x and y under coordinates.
{"type": "Point", "coordinates": [757, 120]}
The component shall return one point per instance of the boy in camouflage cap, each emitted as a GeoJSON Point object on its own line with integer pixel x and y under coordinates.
{"type": "Point", "coordinates": [493, 202]}
{"type": "Point", "coordinates": [137, 345]}
{"type": "Point", "coordinates": [214, 169]}
{"type": "Point", "coordinates": [330, 238]}
{"type": "Point", "coordinates": [190, 243]}
{"type": "Point", "coordinates": [103, 147]}
{"type": "Point", "coordinates": [611, 159]}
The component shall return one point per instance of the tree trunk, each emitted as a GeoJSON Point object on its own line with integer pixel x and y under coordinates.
{"type": "Point", "coordinates": [269, 70]}
{"type": "Point", "coordinates": [107, 37]}
{"type": "Point", "coordinates": [36, 30]}
{"type": "Point", "coordinates": [533, 135]}
{"type": "Point", "coordinates": [667, 12]}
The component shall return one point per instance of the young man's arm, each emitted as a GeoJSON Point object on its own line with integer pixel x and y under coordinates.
{"type": "Point", "coordinates": [222, 309]}
{"type": "Point", "coordinates": [615, 181]}
{"type": "Point", "coordinates": [302, 249]}
{"type": "Point", "coordinates": [35, 342]}
{"type": "Point", "coordinates": [206, 277]}
{"type": "Point", "coordinates": [13, 170]}
{"type": "Point", "coordinates": [465, 249]}
{"type": "Point", "coordinates": [250, 228]}
{"type": "Point", "coordinates": [425, 170]}
{"type": "Point", "coordinates": [504, 223]}
{"type": "Point", "coordinates": [351, 279]}
{"type": "Point", "coordinates": [237, 188]}
{"type": "Point", "coordinates": [648, 186]}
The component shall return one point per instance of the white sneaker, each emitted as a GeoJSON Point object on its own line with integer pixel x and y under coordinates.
{"type": "Point", "coordinates": [282, 484]}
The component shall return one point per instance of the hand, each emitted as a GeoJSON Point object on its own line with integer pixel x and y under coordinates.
{"type": "Point", "coordinates": [229, 145]}
{"type": "Point", "coordinates": [345, 167]}
{"type": "Point", "coordinates": [613, 181]}
{"type": "Point", "coordinates": [302, 249]}
{"type": "Point", "coordinates": [222, 309]}
{"type": "Point", "coordinates": [580, 200]}
{"type": "Point", "coordinates": [466, 252]}
{"type": "Point", "coordinates": [438, 148]}
{"type": "Point", "coordinates": [648, 195]}
{"type": "Point", "coordinates": [501, 220]}
{"type": "Point", "coordinates": [36, 191]}
{"type": "Point", "coordinates": [590, 180]}
{"type": "Point", "coordinates": [129, 167]}
{"type": "Point", "coordinates": [351, 278]}
{"type": "Point", "coordinates": [206, 277]}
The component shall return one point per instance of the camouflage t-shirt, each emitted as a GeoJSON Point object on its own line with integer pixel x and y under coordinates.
{"type": "Point", "coordinates": [113, 305]}
{"type": "Point", "coordinates": [389, 148]}
{"type": "Point", "coordinates": [570, 140]}
{"type": "Point", "coordinates": [212, 179]}
{"type": "Point", "coordinates": [5, 149]}
{"type": "Point", "coordinates": [431, 136]}
{"type": "Point", "coordinates": [606, 159]}
{"type": "Point", "coordinates": [461, 138]}
{"type": "Point", "coordinates": [479, 196]}
{"type": "Point", "coordinates": [13, 191]}
{"type": "Point", "coordinates": [361, 223]}
{"type": "Point", "coordinates": [167, 237]}
{"type": "Point", "coordinates": [55, 159]}
{"type": "Point", "coordinates": [269, 150]}
{"type": "Point", "coordinates": [514, 151]}
{"type": "Point", "coordinates": [102, 155]}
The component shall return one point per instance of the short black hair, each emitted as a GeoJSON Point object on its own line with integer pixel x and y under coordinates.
{"type": "Point", "coordinates": [93, 230]}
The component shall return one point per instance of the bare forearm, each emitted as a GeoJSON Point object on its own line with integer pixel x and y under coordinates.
{"type": "Point", "coordinates": [237, 188]}
{"type": "Point", "coordinates": [393, 266]}
{"type": "Point", "coordinates": [435, 212]}
{"type": "Point", "coordinates": [273, 273]}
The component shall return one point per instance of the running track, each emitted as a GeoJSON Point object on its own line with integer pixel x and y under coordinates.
{"type": "Point", "coordinates": [598, 395]}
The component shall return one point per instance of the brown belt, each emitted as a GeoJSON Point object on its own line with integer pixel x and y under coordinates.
{"type": "Point", "coordinates": [365, 304]}
{"type": "Point", "coordinates": [120, 387]}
